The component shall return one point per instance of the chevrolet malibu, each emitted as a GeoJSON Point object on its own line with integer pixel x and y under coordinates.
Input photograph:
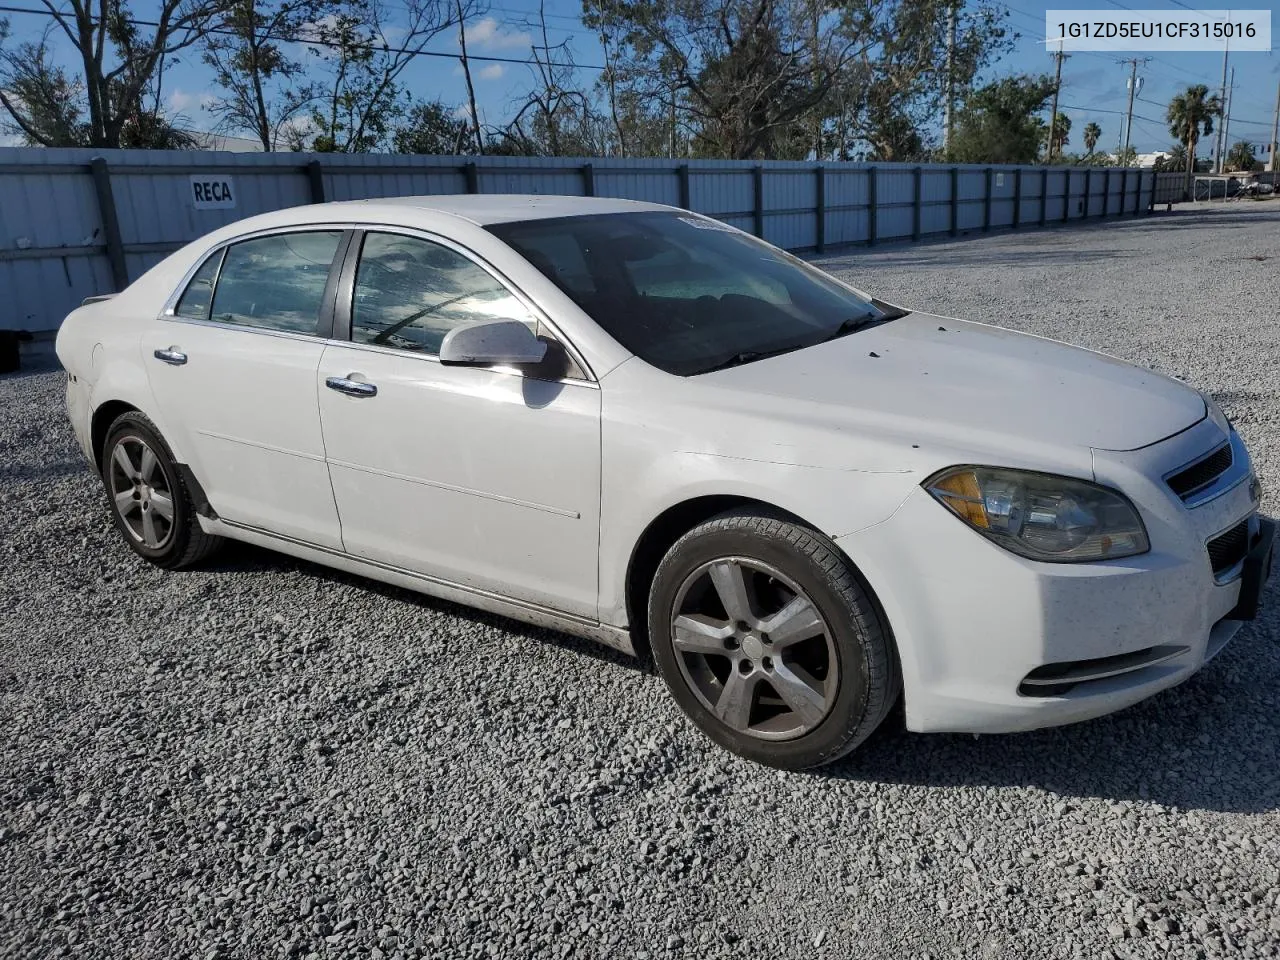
{"type": "Point", "coordinates": [640, 425]}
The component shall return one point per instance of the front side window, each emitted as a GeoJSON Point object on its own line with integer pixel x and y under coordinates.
{"type": "Point", "coordinates": [410, 292]}
{"type": "Point", "coordinates": [686, 294]}
{"type": "Point", "coordinates": [276, 282]}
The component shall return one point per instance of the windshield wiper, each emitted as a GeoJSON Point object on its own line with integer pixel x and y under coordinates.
{"type": "Point", "coordinates": [744, 356]}
{"type": "Point", "coordinates": [883, 314]}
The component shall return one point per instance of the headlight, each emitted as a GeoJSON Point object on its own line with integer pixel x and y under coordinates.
{"type": "Point", "coordinates": [1041, 516]}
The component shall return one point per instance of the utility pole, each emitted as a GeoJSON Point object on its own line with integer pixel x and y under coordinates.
{"type": "Point", "coordinates": [1275, 129]}
{"type": "Point", "coordinates": [1133, 89]}
{"type": "Point", "coordinates": [1218, 150]}
{"type": "Point", "coordinates": [1059, 56]}
{"type": "Point", "coordinates": [948, 123]}
{"type": "Point", "coordinates": [1226, 119]}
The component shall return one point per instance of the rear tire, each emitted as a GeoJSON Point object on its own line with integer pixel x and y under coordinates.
{"type": "Point", "coordinates": [769, 642]}
{"type": "Point", "coordinates": [150, 502]}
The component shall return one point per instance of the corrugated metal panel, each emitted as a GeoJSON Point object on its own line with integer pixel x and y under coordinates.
{"type": "Point", "coordinates": [53, 239]}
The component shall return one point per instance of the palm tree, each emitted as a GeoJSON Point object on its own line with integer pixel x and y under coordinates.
{"type": "Point", "coordinates": [1241, 156]}
{"type": "Point", "coordinates": [1091, 134]}
{"type": "Point", "coordinates": [1190, 116]}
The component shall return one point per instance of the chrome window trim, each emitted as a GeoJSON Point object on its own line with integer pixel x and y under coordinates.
{"type": "Point", "coordinates": [538, 314]}
{"type": "Point", "coordinates": [433, 358]}
{"type": "Point", "coordinates": [171, 304]}
{"type": "Point", "coordinates": [1236, 474]}
{"type": "Point", "coordinates": [260, 331]}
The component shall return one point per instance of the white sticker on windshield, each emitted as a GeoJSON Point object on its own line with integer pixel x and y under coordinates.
{"type": "Point", "coordinates": [707, 224]}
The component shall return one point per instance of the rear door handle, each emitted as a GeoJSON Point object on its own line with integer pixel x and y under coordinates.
{"type": "Point", "coordinates": [352, 388]}
{"type": "Point", "coordinates": [175, 357]}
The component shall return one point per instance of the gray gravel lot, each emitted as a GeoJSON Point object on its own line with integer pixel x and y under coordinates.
{"type": "Point", "coordinates": [268, 759]}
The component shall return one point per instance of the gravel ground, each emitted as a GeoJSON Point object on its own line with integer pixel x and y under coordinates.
{"type": "Point", "coordinates": [267, 759]}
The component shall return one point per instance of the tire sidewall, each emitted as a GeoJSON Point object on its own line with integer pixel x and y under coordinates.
{"type": "Point", "coordinates": [135, 425]}
{"type": "Point", "coordinates": [832, 737]}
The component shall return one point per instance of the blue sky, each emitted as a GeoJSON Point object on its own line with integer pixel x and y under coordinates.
{"type": "Point", "coordinates": [1093, 83]}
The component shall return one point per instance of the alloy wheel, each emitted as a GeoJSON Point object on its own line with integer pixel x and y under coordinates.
{"type": "Point", "coordinates": [141, 492]}
{"type": "Point", "coordinates": [754, 648]}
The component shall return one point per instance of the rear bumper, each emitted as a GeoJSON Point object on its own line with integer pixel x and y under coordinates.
{"type": "Point", "coordinates": [974, 623]}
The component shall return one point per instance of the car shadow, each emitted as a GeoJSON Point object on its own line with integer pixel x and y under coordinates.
{"type": "Point", "coordinates": [239, 557]}
{"type": "Point", "coordinates": [1209, 743]}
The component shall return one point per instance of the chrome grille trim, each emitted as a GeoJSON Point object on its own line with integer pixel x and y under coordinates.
{"type": "Point", "coordinates": [1237, 473]}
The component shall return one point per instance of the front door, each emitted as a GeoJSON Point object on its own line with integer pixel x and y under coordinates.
{"type": "Point", "coordinates": [487, 478]}
{"type": "Point", "coordinates": [233, 371]}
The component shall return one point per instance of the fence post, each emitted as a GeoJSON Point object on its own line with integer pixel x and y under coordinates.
{"type": "Point", "coordinates": [757, 188]}
{"type": "Point", "coordinates": [110, 222]}
{"type": "Point", "coordinates": [1066, 195]}
{"type": "Point", "coordinates": [1044, 194]}
{"type": "Point", "coordinates": [1088, 192]}
{"type": "Point", "coordinates": [315, 178]}
{"type": "Point", "coordinates": [472, 173]}
{"type": "Point", "coordinates": [955, 200]}
{"type": "Point", "coordinates": [1155, 182]}
{"type": "Point", "coordinates": [986, 200]}
{"type": "Point", "coordinates": [1124, 189]}
{"type": "Point", "coordinates": [1017, 198]}
{"type": "Point", "coordinates": [871, 206]}
{"type": "Point", "coordinates": [682, 173]}
{"type": "Point", "coordinates": [820, 206]}
{"type": "Point", "coordinates": [1106, 191]}
{"type": "Point", "coordinates": [588, 180]}
{"type": "Point", "coordinates": [915, 209]}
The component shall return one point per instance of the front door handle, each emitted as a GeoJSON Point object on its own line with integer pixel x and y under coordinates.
{"type": "Point", "coordinates": [352, 388]}
{"type": "Point", "coordinates": [171, 356]}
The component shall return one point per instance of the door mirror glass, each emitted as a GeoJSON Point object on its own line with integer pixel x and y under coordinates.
{"type": "Point", "coordinates": [492, 342]}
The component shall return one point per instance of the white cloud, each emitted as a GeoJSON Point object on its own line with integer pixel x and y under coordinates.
{"type": "Point", "coordinates": [492, 72]}
{"type": "Point", "coordinates": [181, 100]}
{"type": "Point", "coordinates": [491, 35]}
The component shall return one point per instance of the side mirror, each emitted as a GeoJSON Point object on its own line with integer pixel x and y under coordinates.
{"type": "Point", "coordinates": [491, 341]}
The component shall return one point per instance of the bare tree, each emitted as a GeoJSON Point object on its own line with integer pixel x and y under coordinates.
{"type": "Point", "coordinates": [120, 57]}
{"type": "Point", "coordinates": [249, 56]}
{"type": "Point", "coordinates": [360, 101]}
{"type": "Point", "coordinates": [466, 72]}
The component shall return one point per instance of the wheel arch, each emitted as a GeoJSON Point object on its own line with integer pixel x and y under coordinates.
{"type": "Point", "coordinates": [103, 417]}
{"type": "Point", "coordinates": [677, 520]}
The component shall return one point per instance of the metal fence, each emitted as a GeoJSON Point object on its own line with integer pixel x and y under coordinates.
{"type": "Point", "coordinates": [74, 223]}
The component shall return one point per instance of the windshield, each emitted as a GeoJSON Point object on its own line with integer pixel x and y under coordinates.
{"type": "Point", "coordinates": [688, 294]}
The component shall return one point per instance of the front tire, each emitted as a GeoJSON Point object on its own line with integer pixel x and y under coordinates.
{"type": "Point", "coordinates": [769, 642]}
{"type": "Point", "coordinates": [150, 502]}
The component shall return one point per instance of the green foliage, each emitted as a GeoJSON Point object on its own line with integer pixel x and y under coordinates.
{"type": "Point", "coordinates": [250, 59]}
{"type": "Point", "coordinates": [1190, 116]}
{"type": "Point", "coordinates": [1000, 122]}
{"type": "Point", "coordinates": [1092, 132]}
{"type": "Point", "coordinates": [431, 127]}
{"type": "Point", "coordinates": [1241, 157]}
{"type": "Point", "coordinates": [44, 104]}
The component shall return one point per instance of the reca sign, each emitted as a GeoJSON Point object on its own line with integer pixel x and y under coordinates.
{"type": "Point", "coordinates": [210, 192]}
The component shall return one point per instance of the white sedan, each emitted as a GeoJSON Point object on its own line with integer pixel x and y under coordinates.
{"type": "Point", "coordinates": [637, 424]}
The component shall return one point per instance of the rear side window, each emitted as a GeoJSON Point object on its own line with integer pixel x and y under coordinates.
{"type": "Point", "coordinates": [275, 283]}
{"type": "Point", "coordinates": [195, 301]}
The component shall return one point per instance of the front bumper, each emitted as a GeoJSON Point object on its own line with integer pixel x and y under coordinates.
{"type": "Point", "coordinates": [973, 622]}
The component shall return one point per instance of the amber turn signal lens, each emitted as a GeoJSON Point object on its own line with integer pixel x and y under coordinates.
{"type": "Point", "coordinates": [963, 495]}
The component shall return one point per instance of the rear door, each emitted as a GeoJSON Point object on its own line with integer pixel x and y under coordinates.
{"type": "Point", "coordinates": [484, 477]}
{"type": "Point", "coordinates": [232, 365]}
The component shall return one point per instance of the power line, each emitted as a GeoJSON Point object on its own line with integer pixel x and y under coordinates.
{"type": "Point", "coordinates": [411, 51]}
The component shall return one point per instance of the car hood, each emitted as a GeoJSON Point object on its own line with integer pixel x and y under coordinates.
{"type": "Point", "coordinates": [960, 376]}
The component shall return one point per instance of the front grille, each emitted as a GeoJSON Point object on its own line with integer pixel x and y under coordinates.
{"type": "Point", "coordinates": [1228, 549]}
{"type": "Point", "coordinates": [1201, 473]}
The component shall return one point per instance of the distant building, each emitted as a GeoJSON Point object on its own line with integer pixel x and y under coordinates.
{"type": "Point", "coordinates": [218, 141]}
{"type": "Point", "coordinates": [1149, 159]}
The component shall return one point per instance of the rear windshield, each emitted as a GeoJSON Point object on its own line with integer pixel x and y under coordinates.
{"type": "Point", "coordinates": [684, 293]}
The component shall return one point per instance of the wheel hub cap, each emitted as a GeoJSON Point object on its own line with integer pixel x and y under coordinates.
{"type": "Point", "coordinates": [754, 649]}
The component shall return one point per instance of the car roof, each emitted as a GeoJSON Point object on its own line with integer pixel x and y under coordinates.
{"type": "Point", "coordinates": [483, 209]}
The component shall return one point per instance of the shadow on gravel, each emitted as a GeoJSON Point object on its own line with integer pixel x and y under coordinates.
{"type": "Point", "coordinates": [1208, 744]}
{"type": "Point", "coordinates": [236, 557]}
